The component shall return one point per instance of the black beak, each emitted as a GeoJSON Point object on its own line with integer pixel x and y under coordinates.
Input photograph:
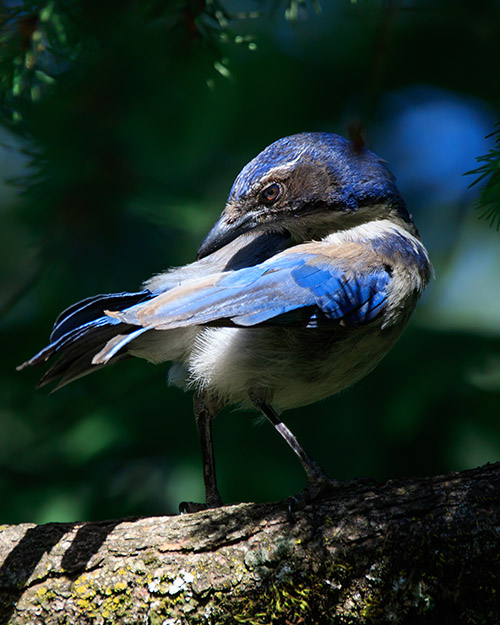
{"type": "Point", "coordinates": [223, 233]}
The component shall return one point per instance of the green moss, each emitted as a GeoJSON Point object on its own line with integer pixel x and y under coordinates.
{"type": "Point", "coordinates": [151, 559]}
{"type": "Point", "coordinates": [286, 602]}
{"type": "Point", "coordinates": [412, 582]}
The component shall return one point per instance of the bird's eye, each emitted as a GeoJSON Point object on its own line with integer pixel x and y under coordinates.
{"type": "Point", "coordinates": [270, 194]}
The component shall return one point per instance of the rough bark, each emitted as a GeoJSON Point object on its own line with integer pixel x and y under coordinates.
{"type": "Point", "coordinates": [408, 551]}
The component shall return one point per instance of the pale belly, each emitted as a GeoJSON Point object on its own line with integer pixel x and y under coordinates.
{"type": "Point", "coordinates": [282, 366]}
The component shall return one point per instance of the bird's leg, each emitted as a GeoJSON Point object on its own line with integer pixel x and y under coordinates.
{"type": "Point", "coordinates": [318, 480]}
{"type": "Point", "coordinates": [204, 414]}
{"type": "Point", "coordinates": [204, 417]}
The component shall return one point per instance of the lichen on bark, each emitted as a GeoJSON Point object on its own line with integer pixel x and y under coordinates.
{"type": "Point", "coordinates": [421, 550]}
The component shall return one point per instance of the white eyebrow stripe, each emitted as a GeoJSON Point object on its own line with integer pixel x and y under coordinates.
{"type": "Point", "coordinates": [284, 168]}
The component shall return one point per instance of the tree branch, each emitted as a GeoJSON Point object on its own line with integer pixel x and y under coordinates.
{"type": "Point", "coordinates": [407, 551]}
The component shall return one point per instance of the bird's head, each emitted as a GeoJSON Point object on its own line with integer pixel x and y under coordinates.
{"type": "Point", "coordinates": [307, 186]}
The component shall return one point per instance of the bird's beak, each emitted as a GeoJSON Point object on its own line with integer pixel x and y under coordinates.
{"type": "Point", "coordinates": [225, 230]}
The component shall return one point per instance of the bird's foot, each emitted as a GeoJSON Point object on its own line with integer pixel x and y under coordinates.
{"type": "Point", "coordinates": [187, 507]}
{"type": "Point", "coordinates": [316, 488]}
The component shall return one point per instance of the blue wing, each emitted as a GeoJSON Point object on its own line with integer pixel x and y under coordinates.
{"type": "Point", "coordinates": [291, 288]}
{"type": "Point", "coordinates": [80, 331]}
{"type": "Point", "coordinates": [288, 288]}
{"type": "Point", "coordinates": [91, 309]}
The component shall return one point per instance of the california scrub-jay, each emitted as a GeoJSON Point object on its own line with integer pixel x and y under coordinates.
{"type": "Point", "coordinates": [300, 288]}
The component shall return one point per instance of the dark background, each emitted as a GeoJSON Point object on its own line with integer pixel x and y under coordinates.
{"type": "Point", "coordinates": [123, 127]}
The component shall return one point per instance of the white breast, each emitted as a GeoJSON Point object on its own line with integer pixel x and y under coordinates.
{"type": "Point", "coordinates": [285, 367]}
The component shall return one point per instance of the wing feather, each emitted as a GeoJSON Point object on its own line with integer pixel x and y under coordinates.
{"type": "Point", "coordinates": [82, 331]}
{"type": "Point", "coordinates": [267, 293]}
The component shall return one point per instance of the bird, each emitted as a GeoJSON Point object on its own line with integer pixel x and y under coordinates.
{"type": "Point", "coordinates": [300, 288]}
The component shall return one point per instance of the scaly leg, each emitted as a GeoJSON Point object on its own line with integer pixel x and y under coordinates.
{"type": "Point", "coordinates": [318, 480]}
{"type": "Point", "coordinates": [204, 415]}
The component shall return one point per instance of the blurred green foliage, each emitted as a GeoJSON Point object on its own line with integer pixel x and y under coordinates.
{"type": "Point", "coordinates": [488, 173]}
{"type": "Point", "coordinates": [123, 127]}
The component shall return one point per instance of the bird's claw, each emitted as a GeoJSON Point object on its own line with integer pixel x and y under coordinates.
{"type": "Point", "coordinates": [314, 490]}
{"type": "Point", "coordinates": [188, 507]}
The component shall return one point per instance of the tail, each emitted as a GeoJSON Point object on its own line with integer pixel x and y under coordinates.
{"type": "Point", "coordinates": [81, 332]}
